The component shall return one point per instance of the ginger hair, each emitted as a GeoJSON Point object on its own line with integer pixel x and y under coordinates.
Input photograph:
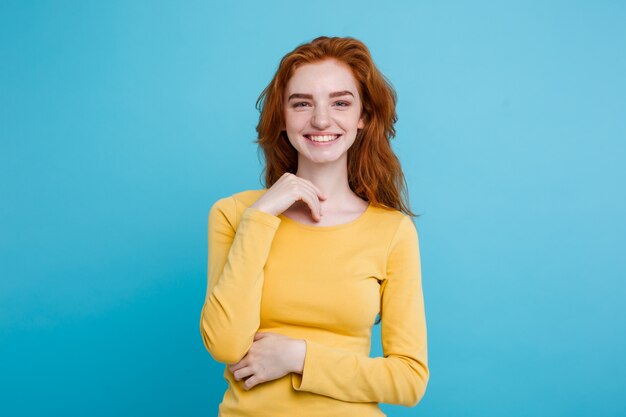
{"type": "Point", "coordinates": [374, 171]}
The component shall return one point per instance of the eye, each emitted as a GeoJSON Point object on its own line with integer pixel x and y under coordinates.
{"type": "Point", "coordinates": [342, 103]}
{"type": "Point", "coordinates": [298, 104]}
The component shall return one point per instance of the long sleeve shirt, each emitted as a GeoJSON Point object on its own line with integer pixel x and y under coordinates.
{"type": "Point", "coordinates": [323, 284]}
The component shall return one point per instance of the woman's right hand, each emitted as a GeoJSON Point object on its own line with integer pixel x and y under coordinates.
{"type": "Point", "coordinates": [287, 190]}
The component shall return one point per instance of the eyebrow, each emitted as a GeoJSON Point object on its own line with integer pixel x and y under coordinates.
{"type": "Point", "coordinates": [331, 95]}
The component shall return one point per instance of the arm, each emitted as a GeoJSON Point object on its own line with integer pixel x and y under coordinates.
{"type": "Point", "coordinates": [231, 312]}
{"type": "Point", "coordinates": [401, 376]}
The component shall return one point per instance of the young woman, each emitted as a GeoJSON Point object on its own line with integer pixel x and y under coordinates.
{"type": "Point", "coordinates": [298, 271]}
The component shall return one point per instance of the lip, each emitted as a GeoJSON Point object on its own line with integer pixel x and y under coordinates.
{"type": "Point", "coordinates": [312, 142]}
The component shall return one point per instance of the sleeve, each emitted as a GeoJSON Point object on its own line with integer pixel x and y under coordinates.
{"type": "Point", "coordinates": [401, 376]}
{"type": "Point", "coordinates": [231, 312]}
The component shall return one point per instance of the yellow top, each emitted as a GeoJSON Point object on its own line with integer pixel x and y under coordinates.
{"type": "Point", "coordinates": [323, 284]}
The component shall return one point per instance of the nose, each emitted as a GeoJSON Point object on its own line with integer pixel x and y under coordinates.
{"type": "Point", "coordinates": [320, 119]}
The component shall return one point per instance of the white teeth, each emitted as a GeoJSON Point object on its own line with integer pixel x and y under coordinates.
{"type": "Point", "coordinates": [326, 138]}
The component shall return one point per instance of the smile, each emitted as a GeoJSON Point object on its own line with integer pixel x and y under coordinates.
{"type": "Point", "coordinates": [322, 139]}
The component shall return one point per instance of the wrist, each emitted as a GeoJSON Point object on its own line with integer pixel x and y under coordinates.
{"type": "Point", "coordinates": [262, 209]}
{"type": "Point", "coordinates": [299, 349]}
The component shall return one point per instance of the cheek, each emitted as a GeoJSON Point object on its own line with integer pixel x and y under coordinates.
{"type": "Point", "coordinates": [349, 120]}
{"type": "Point", "coordinates": [295, 120]}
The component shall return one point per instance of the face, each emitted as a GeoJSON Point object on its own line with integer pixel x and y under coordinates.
{"type": "Point", "coordinates": [322, 111]}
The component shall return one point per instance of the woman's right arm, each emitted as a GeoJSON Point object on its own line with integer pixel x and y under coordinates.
{"type": "Point", "coordinates": [238, 252]}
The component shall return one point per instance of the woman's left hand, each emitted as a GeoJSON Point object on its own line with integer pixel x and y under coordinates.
{"type": "Point", "coordinates": [270, 357]}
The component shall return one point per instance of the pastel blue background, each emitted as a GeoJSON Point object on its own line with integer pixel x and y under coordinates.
{"type": "Point", "coordinates": [121, 122]}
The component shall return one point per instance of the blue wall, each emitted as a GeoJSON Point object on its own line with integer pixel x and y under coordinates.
{"type": "Point", "coordinates": [121, 122]}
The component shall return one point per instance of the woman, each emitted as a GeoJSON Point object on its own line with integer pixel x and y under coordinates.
{"type": "Point", "coordinates": [299, 271]}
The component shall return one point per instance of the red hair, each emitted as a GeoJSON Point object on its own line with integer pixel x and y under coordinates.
{"type": "Point", "coordinates": [374, 171]}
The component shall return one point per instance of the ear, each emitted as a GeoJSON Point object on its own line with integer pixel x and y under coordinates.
{"type": "Point", "coordinates": [361, 123]}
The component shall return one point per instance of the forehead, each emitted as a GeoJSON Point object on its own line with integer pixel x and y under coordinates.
{"type": "Point", "coordinates": [324, 76]}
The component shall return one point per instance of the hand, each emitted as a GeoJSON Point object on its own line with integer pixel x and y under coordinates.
{"type": "Point", "coordinates": [287, 190]}
{"type": "Point", "coordinates": [270, 357]}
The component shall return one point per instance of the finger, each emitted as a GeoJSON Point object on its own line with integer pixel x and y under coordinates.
{"type": "Point", "coordinates": [317, 205]}
{"type": "Point", "coordinates": [317, 190]}
{"type": "Point", "coordinates": [319, 195]}
{"type": "Point", "coordinates": [250, 382]}
{"type": "Point", "coordinates": [242, 373]}
{"type": "Point", "coordinates": [307, 192]}
{"type": "Point", "coordinates": [236, 366]}
{"type": "Point", "coordinates": [313, 204]}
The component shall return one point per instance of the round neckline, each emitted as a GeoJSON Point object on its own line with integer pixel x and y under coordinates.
{"type": "Point", "coordinates": [327, 228]}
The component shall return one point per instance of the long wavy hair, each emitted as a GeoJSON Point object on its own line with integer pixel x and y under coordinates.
{"type": "Point", "coordinates": [374, 171]}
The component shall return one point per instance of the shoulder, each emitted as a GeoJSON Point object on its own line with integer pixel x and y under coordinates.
{"type": "Point", "coordinates": [229, 208]}
{"type": "Point", "coordinates": [248, 197]}
{"type": "Point", "coordinates": [392, 227]}
{"type": "Point", "coordinates": [391, 218]}
{"type": "Point", "coordinates": [242, 198]}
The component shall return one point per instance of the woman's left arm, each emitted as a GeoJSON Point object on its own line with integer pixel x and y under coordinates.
{"type": "Point", "coordinates": [401, 376]}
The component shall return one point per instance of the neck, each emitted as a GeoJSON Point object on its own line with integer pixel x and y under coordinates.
{"type": "Point", "coordinates": [331, 178]}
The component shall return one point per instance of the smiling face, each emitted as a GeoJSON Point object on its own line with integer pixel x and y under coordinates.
{"type": "Point", "coordinates": [322, 111]}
